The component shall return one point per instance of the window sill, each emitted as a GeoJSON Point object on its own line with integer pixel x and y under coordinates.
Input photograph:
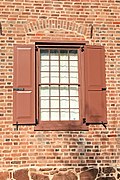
{"type": "Point", "coordinates": [61, 126]}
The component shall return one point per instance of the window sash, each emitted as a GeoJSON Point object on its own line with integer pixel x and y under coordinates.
{"type": "Point", "coordinates": [50, 84]}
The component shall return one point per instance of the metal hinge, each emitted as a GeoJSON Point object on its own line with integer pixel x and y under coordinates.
{"type": "Point", "coordinates": [82, 48]}
{"type": "Point", "coordinates": [91, 31]}
{"type": "Point", "coordinates": [103, 89]}
{"type": "Point", "coordinates": [17, 126]}
{"type": "Point", "coordinates": [36, 48]}
{"type": "Point", "coordinates": [1, 29]}
{"type": "Point", "coordinates": [18, 89]}
{"type": "Point", "coordinates": [36, 121]}
{"type": "Point", "coordinates": [104, 125]}
{"type": "Point", "coordinates": [84, 120]}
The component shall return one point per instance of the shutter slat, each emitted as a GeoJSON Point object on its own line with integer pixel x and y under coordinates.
{"type": "Point", "coordinates": [24, 78]}
{"type": "Point", "coordinates": [95, 93]}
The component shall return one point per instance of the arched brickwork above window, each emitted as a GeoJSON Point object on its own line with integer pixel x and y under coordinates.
{"type": "Point", "coordinates": [51, 24]}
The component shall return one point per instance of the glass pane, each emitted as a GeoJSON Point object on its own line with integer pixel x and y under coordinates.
{"type": "Point", "coordinates": [44, 115]}
{"type": "Point", "coordinates": [54, 102]}
{"type": "Point", "coordinates": [54, 77]}
{"type": "Point", "coordinates": [74, 114]}
{"type": "Point", "coordinates": [44, 54]}
{"type": "Point", "coordinates": [54, 54]}
{"type": "Point", "coordinates": [64, 91]}
{"type": "Point", "coordinates": [54, 65]}
{"type": "Point", "coordinates": [74, 66]}
{"type": "Point", "coordinates": [73, 55]}
{"type": "Point", "coordinates": [74, 102]}
{"type": "Point", "coordinates": [73, 77]}
{"type": "Point", "coordinates": [64, 102]}
{"type": "Point", "coordinates": [63, 55]}
{"type": "Point", "coordinates": [44, 91]}
{"type": "Point", "coordinates": [54, 114]}
{"type": "Point", "coordinates": [64, 114]}
{"type": "Point", "coordinates": [44, 102]}
{"type": "Point", "coordinates": [64, 77]}
{"type": "Point", "coordinates": [44, 77]}
{"type": "Point", "coordinates": [54, 90]}
{"type": "Point", "coordinates": [63, 65]}
{"type": "Point", "coordinates": [44, 65]}
{"type": "Point", "coordinates": [73, 90]}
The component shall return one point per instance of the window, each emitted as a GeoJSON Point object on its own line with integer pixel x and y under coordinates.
{"type": "Point", "coordinates": [59, 86]}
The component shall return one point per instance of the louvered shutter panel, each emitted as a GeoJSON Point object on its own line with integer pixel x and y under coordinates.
{"type": "Point", "coordinates": [95, 86]}
{"type": "Point", "coordinates": [24, 85]}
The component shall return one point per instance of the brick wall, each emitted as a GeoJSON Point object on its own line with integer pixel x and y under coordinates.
{"type": "Point", "coordinates": [27, 21]}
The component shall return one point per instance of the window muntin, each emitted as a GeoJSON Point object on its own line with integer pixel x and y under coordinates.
{"type": "Point", "coordinates": [59, 85]}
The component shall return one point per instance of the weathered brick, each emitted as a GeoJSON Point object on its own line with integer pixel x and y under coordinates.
{"type": "Point", "coordinates": [66, 176]}
{"type": "Point", "coordinates": [36, 176]}
{"type": "Point", "coordinates": [106, 178]}
{"type": "Point", "coordinates": [4, 175]}
{"type": "Point", "coordinates": [21, 174]}
{"type": "Point", "coordinates": [108, 170]}
{"type": "Point", "coordinates": [89, 174]}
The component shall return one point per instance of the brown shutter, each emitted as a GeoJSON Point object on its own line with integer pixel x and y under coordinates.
{"type": "Point", "coordinates": [24, 85]}
{"type": "Point", "coordinates": [95, 86]}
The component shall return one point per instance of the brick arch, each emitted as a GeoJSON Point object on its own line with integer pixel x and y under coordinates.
{"type": "Point", "coordinates": [47, 24]}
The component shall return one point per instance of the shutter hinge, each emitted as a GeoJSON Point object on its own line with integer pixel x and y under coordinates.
{"type": "Point", "coordinates": [36, 121]}
{"type": "Point", "coordinates": [103, 89]}
{"type": "Point", "coordinates": [17, 126]}
{"type": "Point", "coordinates": [82, 48]}
{"type": "Point", "coordinates": [104, 125]}
{"type": "Point", "coordinates": [36, 48]}
{"type": "Point", "coordinates": [18, 89]}
{"type": "Point", "coordinates": [84, 120]}
{"type": "Point", "coordinates": [1, 29]}
{"type": "Point", "coordinates": [91, 31]}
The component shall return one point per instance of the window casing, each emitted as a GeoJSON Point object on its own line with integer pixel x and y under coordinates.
{"type": "Point", "coordinates": [30, 87]}
{"type": "Point", "coordinates": [59, 87]}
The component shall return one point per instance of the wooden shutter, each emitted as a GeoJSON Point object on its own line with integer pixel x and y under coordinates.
{"type": "Point", "coordinates": [95, 86]}
{"type": "Point", "coordinates": [24, 85]}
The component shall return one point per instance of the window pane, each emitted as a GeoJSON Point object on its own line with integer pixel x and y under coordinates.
{"type": "Point", "coordinates": [54, 114]}
{"type": "Point", "coordinates": [54, 77]}
{"type": "Point", "coordinates": [74, 66]}
{"type": "Point", "coordinates": [54, 90]}
{"type": "Point", "coordinates": [74, 114]}
{"type": "Point", "coordinates": [44, 77]}
{"type": "Point", "coordinates": [64, 77]}
{"type": "Point", "coordinates": [54, 102]}
{"type": "Point", "coordinates": [73, 90]}
{"type": "Point", "coordinates": [54, 65]}
{"type": "Point", "coordinates": [44, 115]}
{"type": "Point", "coordinates": [54, 54]}
{"type": "Point", "coordinates": [73, 77]}
{"type": "Point", "coordinates": [44, 54]}
{"type": "Point", "coordinates": [64, 102]}
{"type": "Point", "coordinates": [44, 102]}
{"type": "Point", "coordinates": [64, 91]}
{"type": "Point", "coordinates": [63, 65]}
{"type": "Point", "coordinates": [74, 102]}
{"type": "Point", "coordinates": [44, 65]}
{"type": "Point", "coordinates": [44, 90]}
{"type": "Point", "coordinates": [73, 55]}
{"type": "Point", "coordinates": [63, 55]}
{"type": "Point", "coordinates": [64, 114]}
